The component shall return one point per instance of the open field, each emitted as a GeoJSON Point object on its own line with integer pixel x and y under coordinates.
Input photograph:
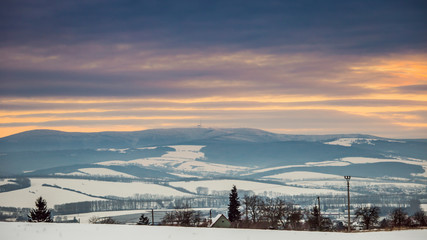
{"type": "Point", "coordinates": [53, 231]}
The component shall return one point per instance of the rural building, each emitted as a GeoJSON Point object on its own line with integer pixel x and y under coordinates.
{"type": "Point", "coordinates": [220, 221]}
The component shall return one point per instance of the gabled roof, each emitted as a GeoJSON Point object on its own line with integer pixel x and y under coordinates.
{"type": "Point", "coordinates": [217, 218]}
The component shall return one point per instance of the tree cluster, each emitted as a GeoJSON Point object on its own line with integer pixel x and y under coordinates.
{"type": "Point", "coordinates": [368, 216]}
{"type": "Point", "coordinates": [398, 218]}
{"type": "Point", "coordinates": [104, 220]}
{"type": "Point", "coordinates": [275, 213]}
{"type": "Point", "coordinates": [184, 216]}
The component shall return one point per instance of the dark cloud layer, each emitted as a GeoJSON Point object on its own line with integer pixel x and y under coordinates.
{"type": "Point", "coordinates": [347, 26]}
{"type": "Point", "coordinates": [289, 66]}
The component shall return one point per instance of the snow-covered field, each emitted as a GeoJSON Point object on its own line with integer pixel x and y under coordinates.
{"type": "Point", "coordinates": [303, 175]}
{"type": "Point", "coordinates": [185, 159]}
{"type": "Point", "coordinates": [54, 231]}
{"type": "Point", "coordinates": [97, 172]}
{"type": "Point", "coordinates": [354, 160]}
{"type": "Point", "coordinates": [256, 187]}
{"type": "Point", "coordinates": [84, 217]}
{"type": "Point", "coordinates": [348, 142]}
{"type": "Point", "coordinates": [26, 197]}
{"type": "Point", "coordinates": [5, 181]}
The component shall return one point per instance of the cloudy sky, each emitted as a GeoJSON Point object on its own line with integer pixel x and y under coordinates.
{"type": "Point", "coordinates": [297, 67]}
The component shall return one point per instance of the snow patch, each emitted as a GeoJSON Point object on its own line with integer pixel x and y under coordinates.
{"type": "Point", "coordinates": [59, 195]}
{"type": "Point", "coordinates": [147, 148]}
{"type": "Point", "coordinates": [24, 198]}
{"type": "Point", "coordinates": [97, 172]}
{"type": "Point", "coordinates": [302, 175]}
{"type": "Point", "coordinates": [257, 187]}
{"type": "Point", "coordinates": [348, 142]}
{"type": "Point", "coordinates": [185, 159]}
{"type": "Point", "coordinates": [5, 181]}
{"type": "Point", "coordinates": [53, 231]}
{"type": "Point", "coordinates": [119, 150]}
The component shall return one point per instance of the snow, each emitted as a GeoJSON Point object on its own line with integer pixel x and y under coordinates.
{"type": "Point", "coordinates": [5, 181]}
{"type": "Point", "coordinates": [185, 152]}
{"type": "Point", "coordinates": [96, 172]}
{"type": "Point", "coordinates": [307, 164]}
{"type": "Point", "coordinates": [257, 187]}
{"type": "Point", "coordinates": [354, 160]}
{"type": "Point", "coordinates": [363, 160]}
{"type": "Point", "coordinates": [119, 150]}
{"type": "Point", "coordinates": [412, 161]}
{"type": "Point", "coordinates": [26, 197]}
{"type": "Point", "coordinates": [119, 189]}
{"type": "Point", "coordinates": [147, 148]}
{"type": "Point", "coordinates": [184, 175]}
{"type": "Point", "coordinates": [216, 218]}
{"type": "Point", "coordinates": [348, 142]}
{"type": "Point", "coordinates": [424, 174]}
{"type": "Point", "coordinates": [184, 159]}
{"type": "Point", "coordinates": [84, 217]}
{"type": "Point", "coordinates": [53, 231]}
{"type": "Point", "coordinates": [367, 183]}
{"type": "Point", "coordinates": [303, 175]}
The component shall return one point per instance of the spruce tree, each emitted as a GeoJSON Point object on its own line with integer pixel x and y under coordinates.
{"type": "Point", "coordinates": [233, 207]}
{"type": "Point", "coordinates": [143, 220]}
{"type": "Point", "coordinates": [40, 213]}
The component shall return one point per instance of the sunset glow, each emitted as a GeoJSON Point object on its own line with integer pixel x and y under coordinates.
{"type": "Point", "coordinates": [177, 69]}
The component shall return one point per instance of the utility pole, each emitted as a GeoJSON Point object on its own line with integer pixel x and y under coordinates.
{"type": "Point", "coordinates": [348, 202]}
{"type": "Point", "coordinates": [319, 223]}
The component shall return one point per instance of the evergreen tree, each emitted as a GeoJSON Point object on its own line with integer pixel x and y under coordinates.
{"type": "Point", "coordinates": [40, 213]}
{"type": "Point", "coordinates": [233, 207]}
{"type": "Point", "coordinates": [143, 220]}
{"type": "Point", "coordinates": [314, 219]}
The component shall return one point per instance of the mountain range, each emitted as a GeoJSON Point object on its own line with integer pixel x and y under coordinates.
{"type": "Point", "coordinates": [241, 153]}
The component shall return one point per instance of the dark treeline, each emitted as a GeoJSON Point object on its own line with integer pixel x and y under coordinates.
{"type": "Point", "coordinates": [15, 184]}
{"type": "Point", "coordinates": [328, 203]}
{"type": "Point", "coordinates": [139, 204]}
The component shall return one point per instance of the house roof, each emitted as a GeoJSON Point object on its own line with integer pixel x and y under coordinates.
{"type": "Point", "coordinates": [215, 219]}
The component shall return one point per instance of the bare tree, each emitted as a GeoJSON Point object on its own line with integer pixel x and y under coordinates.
{"type": "Point", "coordinates": [274, 210]}
{"type": "Point", "coordinates": [169, 218]}
{"type": "Point", "coordinates": [399, 218]}
{"type": "Point", "coordinates": [368, 216]}
{"type": "Point", "coordinates": [183, 216]}
{"type": "Point", "coordinates": [420, 218]}
{"type": "Point", "coordinates": [252, 207]}
{"type": "Point", "coordinates": [294, 218]}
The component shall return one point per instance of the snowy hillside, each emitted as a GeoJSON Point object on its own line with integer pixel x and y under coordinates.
{"type": "Point", "coordinates": [78, 167]}
{"type": "Point", "coordinates": [54, 231]}
{"type": "Point", "coordinates": [60, 191]}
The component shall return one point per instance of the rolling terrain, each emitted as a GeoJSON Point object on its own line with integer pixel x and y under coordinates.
{"type": "Point", "coordinates": [201, 161]}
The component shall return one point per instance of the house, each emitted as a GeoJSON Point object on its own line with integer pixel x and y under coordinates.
{"type": "Point", "coordinates": [220, 221]}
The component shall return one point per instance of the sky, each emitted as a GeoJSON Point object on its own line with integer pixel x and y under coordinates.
{"type": "Point", "coordinates": [294, 67]}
